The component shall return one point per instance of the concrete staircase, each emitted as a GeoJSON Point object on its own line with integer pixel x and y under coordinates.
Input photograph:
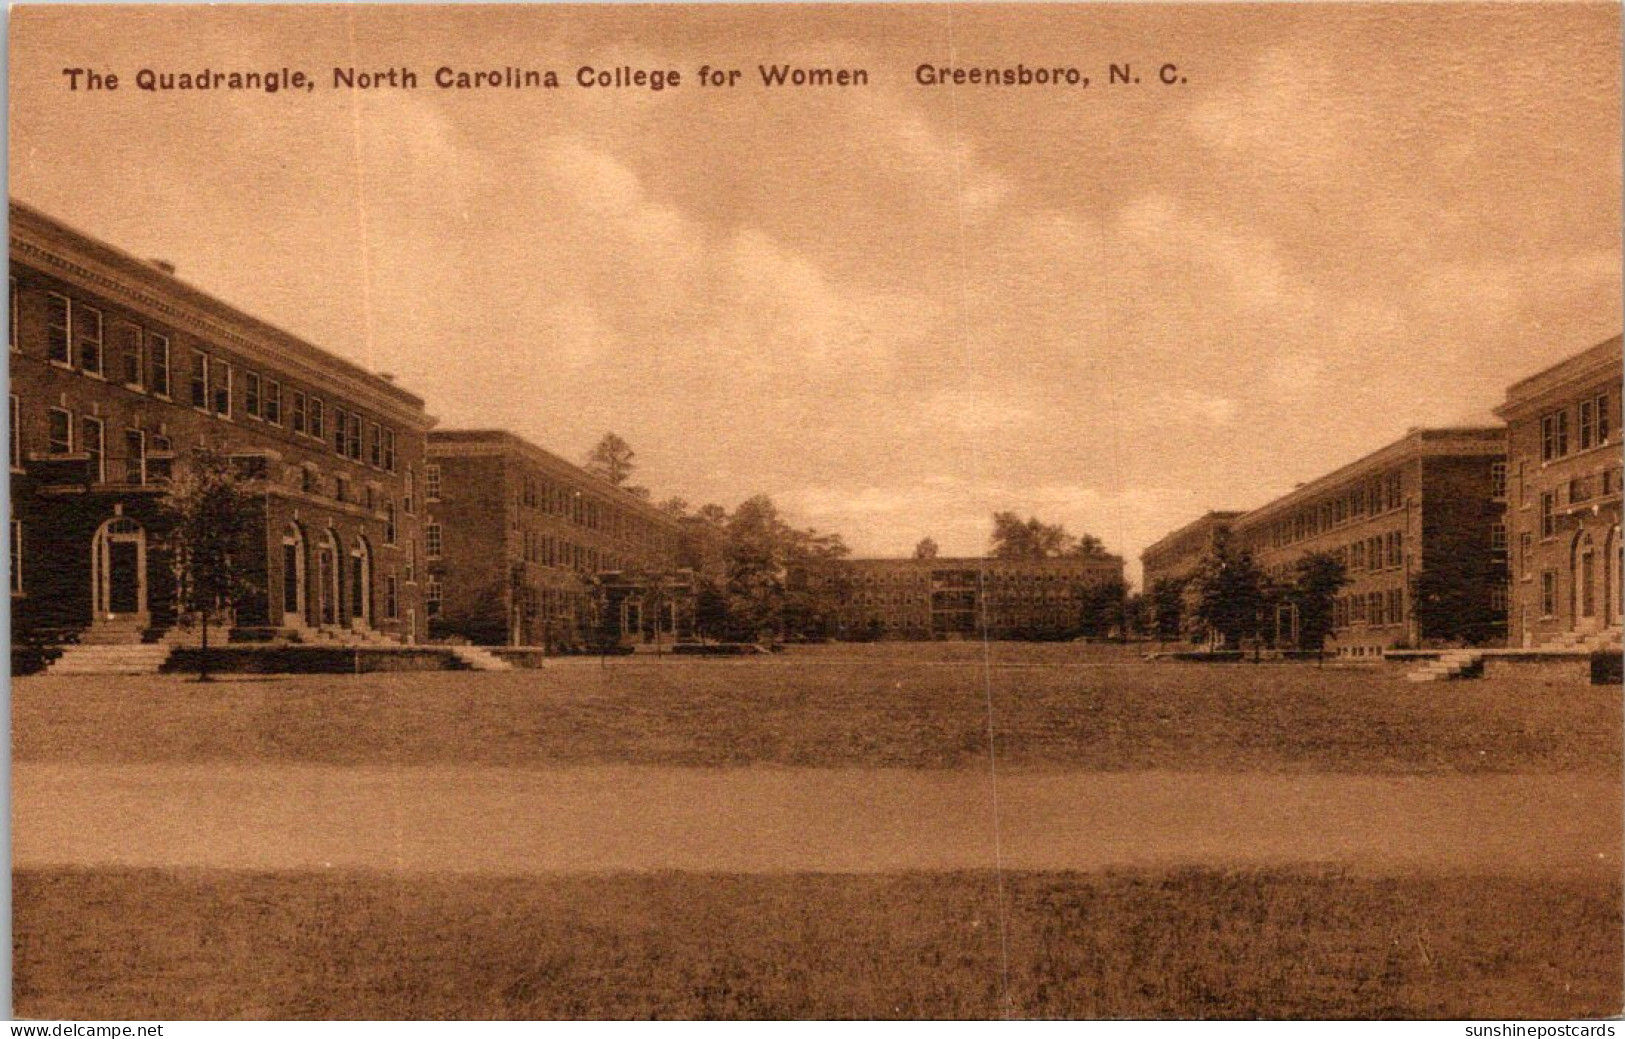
{"type": "Point", "coordinates": [111, 659]}
{"type": "Point", "coordinates": [1452, 664]}
{"type": "Point", "coordinates": [1601, 640]}
{"type": "Point", "coordinates": [480, 659]}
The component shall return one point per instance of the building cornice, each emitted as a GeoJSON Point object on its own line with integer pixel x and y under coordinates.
{"type": "Point", "coordinates": [1561, 380]}
{"type": "Point", "coordinates": [1469, 441]}
{"type": "Point", "coordinates": [43, 241]}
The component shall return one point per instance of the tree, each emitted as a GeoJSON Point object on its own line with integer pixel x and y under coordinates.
{"type": "Point", "coordinates": [209, 514]}
{"type": "Point", "coordinates": [1167, 608]}
{"type": "Point", "coordinates": [1032, 538]}
{"type": "Point", "coordinates": [1233, 593]}
{"type": "Point", "coordinates": [1316, 580]}
{"type": "Point", "coordinates": [1450, 600]}
{"type": "Point", "coordinates": [611, 460]}
{"type": "Point", "coordinates": [926, 549]}
{"type": "Point", "coordinates": [1101, 607]}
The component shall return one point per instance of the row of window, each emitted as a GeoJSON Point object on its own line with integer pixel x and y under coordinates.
{"type": "Point", "coordinates": [1382, 552]}
{"type": "Point", "coordinates": [146, 457]}
{"type": "Point", "coordinates": [140, 358]}
{"type": "Point", "coordinates": [1594, 427]}
{"type": "Point", "coordinates": [548, 550]}
{"type": "Point", "coordinates": [1371, 497]}
{"type": "Point", "coordinates": [1385, 606]}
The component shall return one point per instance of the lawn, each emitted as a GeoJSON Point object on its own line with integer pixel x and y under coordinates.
{"type": "Point", "coordinates": [1205, 944]}
{"type": "Point", "coordinates": [1050, 707]}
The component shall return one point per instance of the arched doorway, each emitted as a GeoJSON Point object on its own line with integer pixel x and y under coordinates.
{"type": "Point", "coordinates": [118, 567]}
{"type": "Point", "coordinates": [293, 576]}
{"type": "Point", "coordinates": [361, 583]}
{"type": "Point", "coordinates": [327, 579]}
{"type": "Point", "coordinates": [1583, 574]}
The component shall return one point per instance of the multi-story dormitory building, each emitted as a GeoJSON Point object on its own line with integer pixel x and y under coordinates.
{"type": "Point", "coordinates": [971, 597]}
{"type": "Point", "coordinates": [1432, 499]}
{"type": "Point", "coordinates": [516, 538]}
{"type": "Point", "coordinates": [1563, 453]}
{"type": "Point", "coordinates": [1177, 557]}
{"type": "Point", "coordinates": [118, 370]}
{"type": "Point", "coordinates": [1521, 524]}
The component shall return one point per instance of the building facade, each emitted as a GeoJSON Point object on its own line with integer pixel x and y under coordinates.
{"type": "Point", "coordinates": [972, 597]}
{"type": "Point", "coordinates": [1424, 515]}
{"type": "Point", "coordinates": [524, 548]}
{"type": "Point", "coordinates": [119, 370]}
{"type": "Point", "coordinates": [1563, 454]}
{"type": "Point", "coordinates": [1174, 560]}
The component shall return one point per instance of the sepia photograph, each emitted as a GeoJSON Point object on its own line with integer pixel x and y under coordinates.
{"type": "Point", "coordinates": [864, 511]}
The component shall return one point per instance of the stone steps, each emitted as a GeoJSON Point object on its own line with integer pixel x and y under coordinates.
{"type": "Point", "coordinates": [1451, 665]}
{"type": "Point", "coordinates": [480, 659]}
{"type": "Point", "coordinates": [105, 659]}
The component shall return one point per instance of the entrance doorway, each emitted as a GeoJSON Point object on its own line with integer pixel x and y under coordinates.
{"type": "Point", "coordinates": [293, 576]}
{"type": "Point", "coordinates": [327, 580]}
{"type": "Point", "coordinates": [118, 567]}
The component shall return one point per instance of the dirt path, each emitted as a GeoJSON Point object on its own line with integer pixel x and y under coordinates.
{"type": "Point", "coordinates": [766, 821]}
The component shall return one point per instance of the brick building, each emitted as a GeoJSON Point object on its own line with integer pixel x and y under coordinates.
{"type": "Point", "coordinates": [1563, 453]}
{"type": "Point", "coordinates": [962, 598]}
{"type": "Point", "coordinates": [118, 371]}
{"type": "Point", "coordinates": [1433, 502]}
{"type": "Point", "coordinates": [1176, 557]}
{"type": "Point", "coordinates": [517, 540]}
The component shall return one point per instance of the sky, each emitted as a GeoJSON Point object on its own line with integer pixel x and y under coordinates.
{"type": "Point", "coordinates": [894, 308]}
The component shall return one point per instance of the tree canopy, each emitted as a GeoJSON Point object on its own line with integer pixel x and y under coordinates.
{"type": "Point", "coordinates": [1032, 538]}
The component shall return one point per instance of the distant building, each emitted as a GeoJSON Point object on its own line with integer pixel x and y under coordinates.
{"type": "Point", "coordinates": [1563, 436]}
{"type": "Point", "coordinates": [1176, 557]}
{"type": "Point", "coordinates": [969, 597]}
{"type": "Point", "coordinates": [1432, 503]}
{"type": "Point", "coordinates": [118, 371]}
{"type": "Point", "coordinates": [524, 548]}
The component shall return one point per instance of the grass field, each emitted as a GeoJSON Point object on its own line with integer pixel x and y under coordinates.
{"type": "Point", "coordinates": [1207, 944]}
{"type": "Point", "coordinates": [1052, 707]}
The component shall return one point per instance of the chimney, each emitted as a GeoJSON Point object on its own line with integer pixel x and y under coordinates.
{"type": "Point", "coordinates": [163, 265]}
{"type": "Point", "coordinates": [387, 376]}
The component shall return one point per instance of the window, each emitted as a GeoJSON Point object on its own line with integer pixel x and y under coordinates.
{"type": "Point", "coordinates": [340, 424]}
{"type": "Point", "coordinates": [158, 349]}
{"type": "Point", "coordinates": [87, 326]}
{"type": "Point", "coordinates": [16, 432]}
{"type": "Point", "coordinates": [354, 443]}
{"type": "Point", "coordinates": [1579, 489]}
{"type": "Point", "coordinates": [431, 482]}
{"type": "Point", "coordinates": [135, 457]}
{"type": "Point", "coordinates": [273, 402]}
{"type": "Point", "coordinates": [389, 523]}
{"type": "Point", "coordinates": [1588, 424]}
{"type": "Point", "coordinates": [431, 540]}
{"type": "Point", "coordinates": [1498, 480]}
{"type": "Point", "coordinates": [411, 560]}
{"type": "Point", "coordinates": [251, 394]}
{"type": "Point", "coordinates": [1548, 514]}
{"type": "Point", "coordinates": [1526, 542]}
{"type": "Point", "coordinates": [91, 443]}
{"type": "Point", "coordinates": [297, 417]}
{"type": "Point", "coordinates": [59, 436]}
{"type": "Point", "coordinates": [58, 329]}
{"type": "Point", "coordinates": [391, 598]}
{"type": "Point", "coordinates": [1498, 598]}
{"type": "Point", "coordinates": [1548, 593]}
{"type": "Point", "coordinates": [318, 428]}
{"type": "Point", "coordinates": [389, 450]}
{"type": "Point", "coordinates": [16, 557]}
{"type": "Point", "coordinates": [375, 445]}
{"type": "Point", "coordinates": [11, 326]}
{"type": "Point", "coordinates": [1498, 537]}
{"type": "Point", "coordinates": [341, 488]}
{"type": "Point", "coordinates": [1396, 606]}
{"type": "Point", "coordinates": [221, 382]}
{"type": "Point", "coordinates": [411, 488]}
{"type": "Point", "coordinates": [1554, 435]}
{"type": "Point", "coordinates": [309, 480]}
{"type": "Point", "coordinates": [132, 363]}
{"type": "Point", "coordinates": [1603, 429]}
{"type": "Point", "coordinates": [200, 379]}
{"type": "Point", "coordinates": [431, 598]}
